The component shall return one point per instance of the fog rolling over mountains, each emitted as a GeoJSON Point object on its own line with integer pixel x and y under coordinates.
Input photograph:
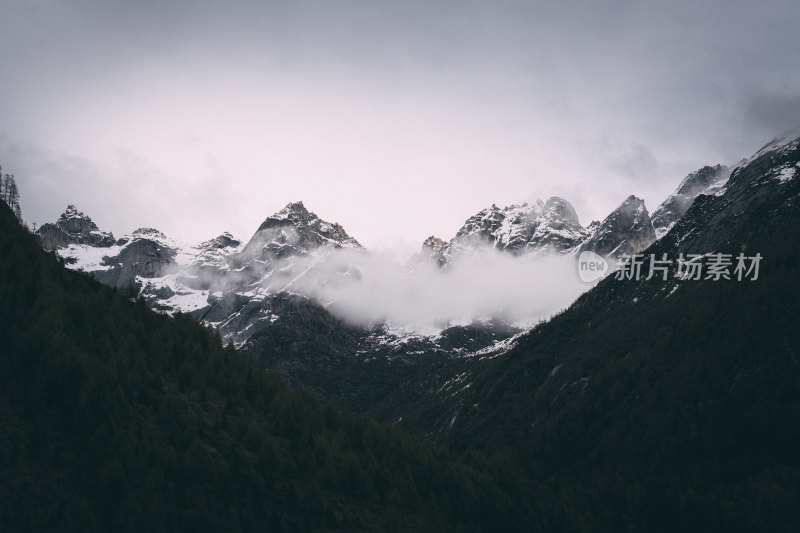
{"type": "Point", "coordinates": [513, 266]}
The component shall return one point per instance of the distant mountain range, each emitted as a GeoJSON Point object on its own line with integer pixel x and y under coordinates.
{"type": "Point", "coordinates": [242, 288]}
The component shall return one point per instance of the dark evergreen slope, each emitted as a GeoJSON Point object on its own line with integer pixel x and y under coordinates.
{"type": "Point", "coordinates": [115, 418]}
{"type": "Point", "coordinates": [669, 405]}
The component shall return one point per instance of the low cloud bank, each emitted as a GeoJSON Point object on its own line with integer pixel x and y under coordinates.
{"type": "Point", "coordinates": [365, 288]}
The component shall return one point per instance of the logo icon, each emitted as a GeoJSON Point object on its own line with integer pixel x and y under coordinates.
{"type": "Point", "coordinates": [591, 267]}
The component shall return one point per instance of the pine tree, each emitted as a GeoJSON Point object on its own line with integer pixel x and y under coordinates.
{"type": "Point", "coordinates": [3, 183]}
{"type": "Point", "coordinates": [13, 197]}
{"type": "Point", "coordinates": [9, 193]}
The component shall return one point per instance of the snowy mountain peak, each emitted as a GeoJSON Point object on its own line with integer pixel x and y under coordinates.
{"type": "Point", "coordinates": [294, 230]}
{"type": "Point", "coordinates": [786, 142]}
{"type": "Point", "coordinates": [560, 208]}
{"type": "Point", "coordinates": [774, 164]}
{"type": "Point", "coordinates": [633, 205]}
{"type": "Point", "coordinates": [633, 199]}
{"type": "Point", "coordinates": [551, 226]}
{"type": "Point", "coordinates": [225, 240]}
{"type": "Point", "coordinates": [292, 211]}
{"type": "Point", "coordinates": [707, 180]}
{"type": "Point", "coordinates": [72, 212]}
{"type": "Point", "coordinates": [556, 208]}
{"type": "Point", "coordinates": [73, 227]}
{"type": "Point", "coordinates": [73, 220]}
{"type": "Point", "coordinates": [433, 243]}
{"type": "Point", "coordinates": [148, 233]}
{"type": "Point", "coordinates": [759, 192]}
{"type": "Point", "coordinates": [559, 230]}
{"type": "Point", "coordinates": [243, 290]}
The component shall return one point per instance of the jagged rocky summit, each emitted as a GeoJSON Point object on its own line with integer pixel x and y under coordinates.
{"type": "Point", "coordinates": [73, 227]}
{"type": "Point", "coordinates": [294, 230]}
{"type": "Point", "coordinates": [550, 227]}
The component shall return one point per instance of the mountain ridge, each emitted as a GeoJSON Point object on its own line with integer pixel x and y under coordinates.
{"type": "Point", "coordinates": [234, 285]}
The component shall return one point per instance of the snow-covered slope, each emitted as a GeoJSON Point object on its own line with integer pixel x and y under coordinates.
{"type": "Point", "coordinates": [170, 276]}
{"type": "Point", "coordinates": [224, 283]}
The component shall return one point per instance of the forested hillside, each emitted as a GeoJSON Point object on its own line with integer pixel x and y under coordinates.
{"type": "Point", "coordinates": [116, 418]}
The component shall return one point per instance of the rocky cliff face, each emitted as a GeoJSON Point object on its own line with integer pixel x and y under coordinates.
{"type": "Point", "coordinates": [433, 250]}
{"type": "Point", "coordinates": [146, 253]}
{"type": "Point", "coordinates": [627, 230]}
{"type": "Point", "coordinates": [73, 227]}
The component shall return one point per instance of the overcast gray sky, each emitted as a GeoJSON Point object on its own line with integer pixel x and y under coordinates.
{"type": "Point", "coordinates": [397, 119]}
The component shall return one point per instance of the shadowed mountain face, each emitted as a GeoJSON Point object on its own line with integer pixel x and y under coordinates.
{"type": "Point", "coordinates": [627, 230]}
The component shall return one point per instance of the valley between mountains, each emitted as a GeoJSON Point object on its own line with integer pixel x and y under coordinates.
{"type": "Point", "coordinates": [656, 404]}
